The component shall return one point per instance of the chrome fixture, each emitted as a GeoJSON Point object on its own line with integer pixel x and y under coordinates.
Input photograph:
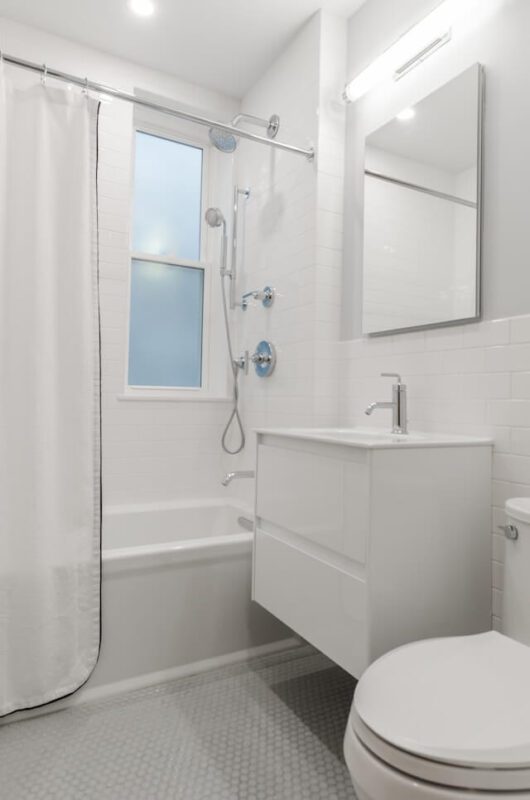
{"type": "Point", "coordinates": [242, 362]}
{"type": "Point", "coordinates": [215, 219]}
{"type": "Point", "coordinates": [246, 523]}
{"type": "Point", "coordinates": [231, 476]}
{"type": "Point", "coordinates": [398, 404]}
{"type": "Point", "coordinates": [510, 531]}
{"type": "Point", "coordinates": [264, 359]}
{"type": "Point", "coordinates": [226, 141]}
{"type": "Point", "coordinates": [119, 94]}
{"type": "Point", "coordinates": [271, 125]}
{"type": "Point", "coordinates": [235, 240]}
{"type": "Point", "coordinates": [266, 295]}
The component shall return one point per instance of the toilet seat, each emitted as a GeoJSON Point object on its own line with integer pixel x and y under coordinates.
{"type": "Point", "coordinates": [454, 712]}
{"type": "Point", "coordinates": [435, 772]}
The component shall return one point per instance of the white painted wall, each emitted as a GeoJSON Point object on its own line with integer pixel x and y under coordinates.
{"type": "Point", "coordinates": [151, 450]}
{"type": "Point", "coordinates": [496, 37]}
{"type": "Point", "coordinates": [473, 378]}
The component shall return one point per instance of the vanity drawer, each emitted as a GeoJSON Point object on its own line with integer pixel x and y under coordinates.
{"type": "Point", "coordinates": [321, 496]}
{"type": "Point", "coordinates": [324, 604]}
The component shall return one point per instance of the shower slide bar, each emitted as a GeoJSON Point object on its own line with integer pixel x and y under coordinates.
{"type": "Point", "coordinates": [117, 94]}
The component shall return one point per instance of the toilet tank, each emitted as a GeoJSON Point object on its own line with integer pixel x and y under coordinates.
{"type": "Point", "coordinates": [516, 594]}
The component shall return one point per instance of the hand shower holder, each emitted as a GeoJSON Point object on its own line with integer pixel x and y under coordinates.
{"type": "Point", "coordinates": [242, 362]}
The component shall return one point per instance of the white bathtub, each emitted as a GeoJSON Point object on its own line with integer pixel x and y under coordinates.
{"type": "Point", "coordinates": [176, 592]}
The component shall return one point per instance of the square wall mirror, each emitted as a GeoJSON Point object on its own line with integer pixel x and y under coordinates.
{"type": "Point", "coordinates": [422, 212]}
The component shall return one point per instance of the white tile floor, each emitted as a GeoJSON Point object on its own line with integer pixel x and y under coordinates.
{"type": "Point", "coordinates": [270, 729]}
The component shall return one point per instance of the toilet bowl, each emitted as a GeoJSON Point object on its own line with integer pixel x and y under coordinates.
{"type": "Point", "coordinates": [449, 719]}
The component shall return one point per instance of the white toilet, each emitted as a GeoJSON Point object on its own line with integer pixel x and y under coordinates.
{"type": "Point", "coordinates": [449, 719]}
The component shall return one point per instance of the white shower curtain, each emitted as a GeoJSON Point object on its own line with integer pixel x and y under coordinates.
{"type": "Point", "coordinates": [49, 392]}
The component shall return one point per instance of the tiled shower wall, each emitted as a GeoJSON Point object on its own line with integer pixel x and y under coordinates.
{"type": "Point", "coordinates": [472, 379]}
{"type": "Point", "coordinates": [292, 238]}
{"type": "Point", "coordinates": [152, 450]}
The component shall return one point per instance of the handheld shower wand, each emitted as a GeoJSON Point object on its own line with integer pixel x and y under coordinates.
{"type": "Point", "coordinates": [215, 219]}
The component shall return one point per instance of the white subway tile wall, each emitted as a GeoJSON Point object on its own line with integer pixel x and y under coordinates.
{"type": "Point", "coordinates": [471, 379]}
{"type": "Point", "coordinates": [292, 238]}
{"type": "Point", "coordinates": [152, 450]}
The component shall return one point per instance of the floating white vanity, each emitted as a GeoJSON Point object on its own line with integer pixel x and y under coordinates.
{"type": "Point", "coordinates": [366, 541]}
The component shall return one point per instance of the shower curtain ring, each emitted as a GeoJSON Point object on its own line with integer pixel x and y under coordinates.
{"type": "Point", "coordinates": [44, 76]}
{"type": "Point", "coordinates": [85, 90]}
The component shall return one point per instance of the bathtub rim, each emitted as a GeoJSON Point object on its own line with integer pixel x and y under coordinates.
{"type": "Point", "coordinates": [116, 509]}
{"type": "Point", "coordinates": [185, 551]}
{"type": "Point", "coordinates": [177, 551]}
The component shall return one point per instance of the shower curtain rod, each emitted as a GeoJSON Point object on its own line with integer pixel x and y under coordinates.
{"type": "Point", "coordinates": [84, 83]}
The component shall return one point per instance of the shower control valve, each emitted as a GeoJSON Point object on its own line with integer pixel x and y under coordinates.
{"type": "Point", "coordinates": [264, 359]}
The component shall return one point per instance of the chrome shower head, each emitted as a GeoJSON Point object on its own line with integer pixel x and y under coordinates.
{"type": "Point", "coordinates": [214, 217]}
{"type": "Point", "coordinates": [224, 141]}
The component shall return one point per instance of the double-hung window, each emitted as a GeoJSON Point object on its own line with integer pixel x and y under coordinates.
{"type": "Point", "coordinates": [168, 274]}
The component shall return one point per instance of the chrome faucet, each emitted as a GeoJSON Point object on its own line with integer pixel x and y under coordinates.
{"type": "Point", "coordinates": [230, 476]}
{"type": "Point", "coordinates": [398, 404]}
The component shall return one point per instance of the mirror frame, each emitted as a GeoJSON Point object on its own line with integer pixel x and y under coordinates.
{"type": "Point", "coordinates": [480, 182]}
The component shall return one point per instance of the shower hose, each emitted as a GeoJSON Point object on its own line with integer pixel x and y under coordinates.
{"type": "Point", "coordinates": [235, 416]}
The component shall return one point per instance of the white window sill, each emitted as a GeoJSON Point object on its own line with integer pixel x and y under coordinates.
{"type": "Point", "coordinates": [171, 397]}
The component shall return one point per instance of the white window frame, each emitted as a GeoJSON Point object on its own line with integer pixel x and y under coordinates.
{"type": "Point", "coordinates": [190, 393]}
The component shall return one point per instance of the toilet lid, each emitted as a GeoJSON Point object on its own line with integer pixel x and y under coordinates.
{"type": "Point", "coordinates": [463, 701]}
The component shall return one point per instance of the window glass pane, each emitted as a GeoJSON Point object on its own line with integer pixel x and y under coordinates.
{"type": "Point", "coordinates": [167, 198]}
{"type": "Point", "coordinates": [165, 336]}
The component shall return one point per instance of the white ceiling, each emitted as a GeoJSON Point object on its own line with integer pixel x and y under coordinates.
{"type": "Point", "coordinates": [221, 44]}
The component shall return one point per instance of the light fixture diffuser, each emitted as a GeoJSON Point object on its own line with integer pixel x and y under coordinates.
{"type": "Point", "coordinates": [410, 50]}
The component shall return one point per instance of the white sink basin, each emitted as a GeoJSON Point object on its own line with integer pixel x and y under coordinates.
{"type": "Point", "coordinates": [373, 439]}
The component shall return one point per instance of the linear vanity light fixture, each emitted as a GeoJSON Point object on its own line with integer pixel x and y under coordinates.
{"type": "Point", "coordinates": [420, 42]}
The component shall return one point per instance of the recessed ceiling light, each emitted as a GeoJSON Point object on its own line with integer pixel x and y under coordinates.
{"type": "Point", "coordinates": [143, 8]}
{"type": "Point", "coordinates": [406, 114]}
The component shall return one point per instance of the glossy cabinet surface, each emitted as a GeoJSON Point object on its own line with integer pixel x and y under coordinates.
{"type": "Point", "coordinates": [360, 549]}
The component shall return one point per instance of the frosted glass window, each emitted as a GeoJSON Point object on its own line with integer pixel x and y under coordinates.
{"type": "Point", "coordinates": [165, 336]}
{"type": "Point", "coordinates": [167, 198]}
